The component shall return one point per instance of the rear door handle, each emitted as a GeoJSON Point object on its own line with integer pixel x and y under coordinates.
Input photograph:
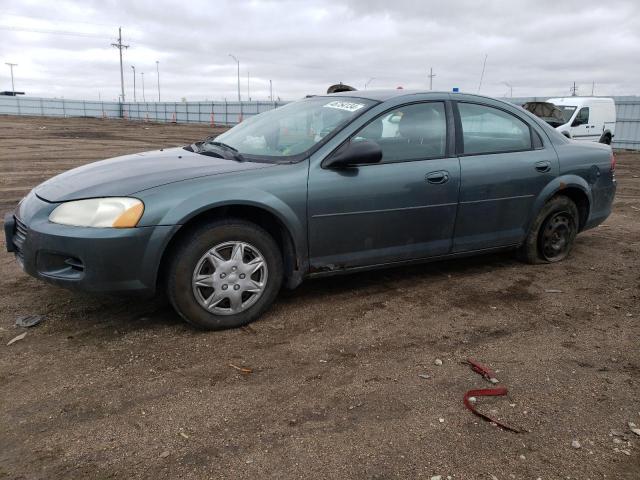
{"type": "Point", "coordinates": [441, 176]}
{"type": "Point", "coordinates": [543, 167]}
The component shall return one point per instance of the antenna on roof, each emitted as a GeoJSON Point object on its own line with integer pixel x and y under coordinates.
{"type": "Point", "coordinates": [484, 64]}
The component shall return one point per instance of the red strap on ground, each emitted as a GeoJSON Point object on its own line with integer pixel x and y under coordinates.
{"type": "Point", "coordinates": [483, 370]}
{"type": "Point", "coordinates": [487, 392]}
{"type": "Point", "coordinates": [488, 374]}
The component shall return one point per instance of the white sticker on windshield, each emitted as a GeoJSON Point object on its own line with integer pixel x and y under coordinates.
{"type": "Point", "coordinates": [348, 106]}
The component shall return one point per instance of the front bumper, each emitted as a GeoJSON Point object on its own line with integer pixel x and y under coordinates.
{"type": "Point", "coordinates": [105, 260]}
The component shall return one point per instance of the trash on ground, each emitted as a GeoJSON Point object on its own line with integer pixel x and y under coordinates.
{"type": "Point", "coordinates": [576, 444]}
{"type": "Point", "coordinates": [487, 374]}
{"type": "Point", "coordinates": [16, 339]}
{"type": "Point", "coordinates": [437, 362]}
{"type": "Point", "coordinates": [424, 375]}
{"type": "Point", "coordinates": [553, 290]}
{"type": "Point", "coordinates": [28, 321]}
{"type": "Point", "coordinates": [244, 371]}
{"type": "Point", "coordinates": [483, 370]}
{"type": "Point", "coordinates": [634, 428]}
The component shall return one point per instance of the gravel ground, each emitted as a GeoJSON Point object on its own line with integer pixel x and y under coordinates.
{"type": "Point", "coordinates": [121, 388]}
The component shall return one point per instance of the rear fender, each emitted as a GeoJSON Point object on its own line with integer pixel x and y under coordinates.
{"type": "Point", "coordinates": [555, 187]}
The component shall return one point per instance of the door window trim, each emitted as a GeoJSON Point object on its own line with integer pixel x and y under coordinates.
{"type": "Point", "coordinates": [449, 147]}
{"type": "Point", "coordinates": [459, 138]}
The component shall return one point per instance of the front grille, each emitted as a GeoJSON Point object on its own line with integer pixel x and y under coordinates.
{"type": "Point", "coordinates": [19, 237]}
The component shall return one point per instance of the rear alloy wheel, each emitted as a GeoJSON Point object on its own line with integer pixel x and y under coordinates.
{"type": "Point", "coordinates": [553, 232]}
{"type": "Point", "coordinates": [224, 274]}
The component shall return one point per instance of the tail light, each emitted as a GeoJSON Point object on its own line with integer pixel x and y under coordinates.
{"type": "Point", "coordinates": [613, 163]}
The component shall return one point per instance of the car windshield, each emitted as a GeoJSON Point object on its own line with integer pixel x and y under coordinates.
{"type": "Point", "coordinates": [289, 130]}
{"type": "Point", "coordinates": [567, 111]}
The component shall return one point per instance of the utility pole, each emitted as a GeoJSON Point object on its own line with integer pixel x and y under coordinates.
{"type": "Point", "coordinates": [270, 90]}
{"type": "Point", "coordinates": [134, 84]}
{"type": "Point", "coordinates": [248, 91]}
{"type": "Point", "coordinates": [593, 87]}
{"type": "Point", "coordinates": [158, 71]}
{"type": "Point", "coordinates": [144, 99]}
{"type": "Point", "coordinates": [13, 87]}
{"type": "Point", "coordinates": [238, 62]}
{"type": "Point", "coordinates": [574, 90]}
{"type": "Point", "coordinates": [431, 75]}
{"type": "Point", "coordinates": [120, 46]}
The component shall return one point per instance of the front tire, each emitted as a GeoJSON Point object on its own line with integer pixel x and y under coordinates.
{"type": "Point", "coordinates": [224, 274]}
{"type": "Point", "coordinates": [553, 232]}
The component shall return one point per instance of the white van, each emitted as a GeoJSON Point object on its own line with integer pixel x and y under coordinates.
{"type": "Point", "coordinates": [590, 119]}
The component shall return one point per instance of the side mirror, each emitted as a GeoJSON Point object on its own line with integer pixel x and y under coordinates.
{"type": "Point", "coordinates": [360, 152]}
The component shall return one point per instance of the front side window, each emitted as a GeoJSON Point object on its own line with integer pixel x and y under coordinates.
{"type": "Point", "coordinates": [582, 117]}
{"type": "Point", "coordinates": [292, 129]}
{"type": "Point", "coordinates": [487, 130]}
{"type": "Point", "coordinates": [410, 132]}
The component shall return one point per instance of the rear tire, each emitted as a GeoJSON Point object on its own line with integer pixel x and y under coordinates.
{"type": "Point", "coordinates": [552, 233]}
{"type": "Point", "coordinates": [224, 274]}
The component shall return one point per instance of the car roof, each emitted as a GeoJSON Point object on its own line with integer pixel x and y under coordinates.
{"type": "Point", "coordinates": [388, 94]}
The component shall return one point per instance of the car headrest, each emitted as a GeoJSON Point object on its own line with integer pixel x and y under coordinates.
{"type": "Point", "coordinates": [420, 124]}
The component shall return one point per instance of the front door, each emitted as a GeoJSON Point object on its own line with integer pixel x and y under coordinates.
{"type": "Point", "coordinates": [402, 208]}
{"type": "Point", "coordinates": [582, 129]}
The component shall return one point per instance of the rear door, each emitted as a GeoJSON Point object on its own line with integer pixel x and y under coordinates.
{"type": "Point", "coordinates": [504, 165]}
{"type": "Point", "coordinates": [402, 208]}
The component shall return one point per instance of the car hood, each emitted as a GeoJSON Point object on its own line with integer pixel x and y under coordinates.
{"type": "Point", "coordinates": [126, 175]}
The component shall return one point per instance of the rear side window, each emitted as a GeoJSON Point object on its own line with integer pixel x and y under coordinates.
{"type": "Point", "coordinates": [410, 132]}
{"type": "Point", "coordinates": [488, 130]}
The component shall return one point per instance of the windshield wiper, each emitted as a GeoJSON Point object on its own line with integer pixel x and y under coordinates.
{"type": "Point", "coordinates": [235, 154]}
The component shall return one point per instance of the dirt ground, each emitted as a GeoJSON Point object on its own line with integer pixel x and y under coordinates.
{"type": "Point", "coordinates": [121, 388]}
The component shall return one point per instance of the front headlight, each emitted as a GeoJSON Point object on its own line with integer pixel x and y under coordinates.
{"type": "Point", "coordinates": [99, 212]}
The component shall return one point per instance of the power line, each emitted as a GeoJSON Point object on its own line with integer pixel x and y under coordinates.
{"type": "Point", "coordinates": [51, 32]}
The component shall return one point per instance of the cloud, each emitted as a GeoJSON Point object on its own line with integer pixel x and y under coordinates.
{"type": "Point", "coordinates": [540, 48]}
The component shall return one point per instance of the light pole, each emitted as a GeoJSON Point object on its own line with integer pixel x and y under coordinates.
{"type": "Point", "coordinates": [134, 83]}
{"type": "Point", "coordinates": [238, 62]}
{"type": "Point", "coordinates": [158, 71]}
{"type": "Point", "coordinates": [510, 88]}
{"type": "Point", "coordinates": [248, 90]}
{"type": "Point", "coordinates": [368, 82]}
{"type": "Point", "coordinates": [13, 87]}
{"type": "Point", "coordinates": [143, 97]}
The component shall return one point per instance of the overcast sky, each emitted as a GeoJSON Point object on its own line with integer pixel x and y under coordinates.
{"type": "Point", "coordinates": [538, 47]}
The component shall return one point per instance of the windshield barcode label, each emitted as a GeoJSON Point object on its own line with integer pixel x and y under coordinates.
{"type": "Point", "coordinates": [348, 106]}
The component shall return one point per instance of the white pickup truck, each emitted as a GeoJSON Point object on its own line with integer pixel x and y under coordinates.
{"type": "Point", "coordinates": [591, 119]}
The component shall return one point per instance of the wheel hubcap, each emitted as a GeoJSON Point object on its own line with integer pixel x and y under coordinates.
{"type": "Point", "coordinates": [229, 278]}
{"type": "Point", "coordinates": [556, 236]}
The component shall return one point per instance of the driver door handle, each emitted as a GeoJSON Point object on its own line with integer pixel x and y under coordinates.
{"type": "Point", "coordinates": [438, 177]}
